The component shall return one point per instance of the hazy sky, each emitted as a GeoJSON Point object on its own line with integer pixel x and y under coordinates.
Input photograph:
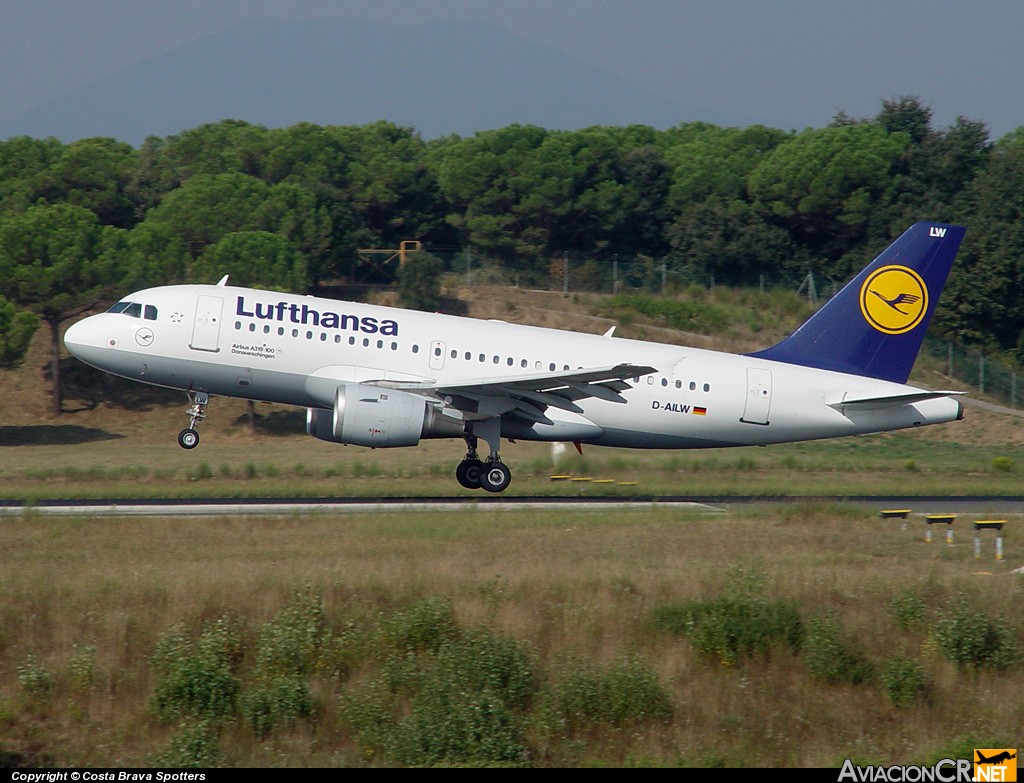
{"type": "Point", "coordinates": [788, 63]}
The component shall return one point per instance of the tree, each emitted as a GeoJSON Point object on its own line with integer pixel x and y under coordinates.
{"type": "Point", "coordinates": [16, 331]}
{"type": "Point", "coordinates": [56, 260]}
{"type": "Point", "coordinates": [419, 282]}
{"type": "Point", "coordinates": [254, 258]}
{"type": "Point", "coordinates": [822, 185]}
{"type": "Point", "coordinates": [92, 173]}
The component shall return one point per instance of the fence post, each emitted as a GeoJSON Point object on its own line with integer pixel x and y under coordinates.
{"type": "Point", "coordinates": [981, 373]}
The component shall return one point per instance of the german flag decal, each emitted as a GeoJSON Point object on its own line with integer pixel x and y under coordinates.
{"type": "Point", "coordinates": [698, 411]}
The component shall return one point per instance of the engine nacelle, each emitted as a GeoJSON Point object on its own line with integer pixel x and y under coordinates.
{"type": "Point", "coordinates": [371, 416]}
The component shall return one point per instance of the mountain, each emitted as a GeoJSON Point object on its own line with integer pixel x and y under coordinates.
{"type": "Point", "coordinates": [439, 77]}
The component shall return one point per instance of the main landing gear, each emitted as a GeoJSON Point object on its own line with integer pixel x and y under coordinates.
{"type": "Point", "coordinates": [188, 438]}
{"type": "Point", "coordinates": [491, 474]}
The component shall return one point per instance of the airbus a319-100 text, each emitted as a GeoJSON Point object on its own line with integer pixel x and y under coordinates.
{"type": "Point", "coordinates": [383, 377]}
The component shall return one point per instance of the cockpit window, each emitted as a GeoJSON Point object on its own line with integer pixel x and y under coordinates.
{"type": "Point", "coordinates": [150, 313]}
{"type": "Point", "coordinates": [119, 307]}
{"type": "Point", "coordinates": [134, 309]}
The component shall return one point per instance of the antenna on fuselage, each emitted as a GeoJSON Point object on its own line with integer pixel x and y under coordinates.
{"type": "Point", "coordinates": [223, 281]}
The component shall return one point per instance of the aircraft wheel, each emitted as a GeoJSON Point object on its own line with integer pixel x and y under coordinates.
{"type": "Point", "coordinates": [495, 477]}
{"type": "Point", "coordinates": [188, 438]}
{"type": "Point", "coordinates": [468, 473]}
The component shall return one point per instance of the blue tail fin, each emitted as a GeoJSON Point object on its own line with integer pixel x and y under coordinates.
{"type": "Point", "coordinates": [875, 325]}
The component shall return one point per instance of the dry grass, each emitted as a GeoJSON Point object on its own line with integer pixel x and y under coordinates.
{"type": "Point", "coordinates": [571, 586]}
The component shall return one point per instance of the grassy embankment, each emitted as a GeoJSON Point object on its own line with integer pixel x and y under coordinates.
{"type": "Point", "coordinates": [794, 636]}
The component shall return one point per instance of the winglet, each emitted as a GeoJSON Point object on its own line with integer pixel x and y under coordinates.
{"type": "Point", "coordinates": [875, 325]}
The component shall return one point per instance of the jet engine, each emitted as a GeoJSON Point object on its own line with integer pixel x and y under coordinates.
{"type": "Point", "coordinates": [372, 416]}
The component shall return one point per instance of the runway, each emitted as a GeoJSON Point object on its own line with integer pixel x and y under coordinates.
{"type": "Point", "coordinates": [216, 507]}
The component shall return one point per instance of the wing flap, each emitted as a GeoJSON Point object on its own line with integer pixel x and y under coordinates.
{"type": "Point", "coordinates": [890, 400]}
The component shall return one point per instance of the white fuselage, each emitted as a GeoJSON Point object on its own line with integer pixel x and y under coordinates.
{"type": "Point", "coordinates": [283, 348]}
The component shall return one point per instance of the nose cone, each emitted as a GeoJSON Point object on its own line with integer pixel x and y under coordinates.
{"type": "Point", "coordinates": [73, 337]}
{"type": "Point", "coordinates": [84, 340]}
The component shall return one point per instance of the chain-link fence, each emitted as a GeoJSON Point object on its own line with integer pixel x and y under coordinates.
{"type": "Point", "coordinates": [972, 367]}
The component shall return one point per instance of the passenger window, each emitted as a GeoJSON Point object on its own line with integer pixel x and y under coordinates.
{"type": "Point", "coordinates": [415, 349]}
{"type": "Point", "coordinates": [707, 387]}
{"type": "Point", "coordinates": [252, 327]}
{"type": "Point", "coordinates": [323, 337]}
{"type": "Point", "coordinates": [150, 313]}
{"type": "Point", "coordinates": [266, 328]}
{"type": "Point", "coordinates": [693, 386]}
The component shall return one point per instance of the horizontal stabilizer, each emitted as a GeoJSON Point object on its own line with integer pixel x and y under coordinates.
{"type": "Point", "coordinates": [891, 400]}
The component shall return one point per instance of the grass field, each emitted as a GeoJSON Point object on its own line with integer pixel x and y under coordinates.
{"type": "Point", "coordinates": [536, 638]}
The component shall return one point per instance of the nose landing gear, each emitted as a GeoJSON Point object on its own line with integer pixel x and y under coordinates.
{"type": "Point", "coordinates": [188, 438]}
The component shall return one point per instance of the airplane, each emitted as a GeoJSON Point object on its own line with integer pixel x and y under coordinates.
{"type": "Point", "coordinates": [996, 759]}
{"type": "Point", "coordinates": [386, 377]}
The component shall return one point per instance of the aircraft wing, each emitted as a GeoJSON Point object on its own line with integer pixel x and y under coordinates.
{"type": "Point", "coordinates": [528, 396]}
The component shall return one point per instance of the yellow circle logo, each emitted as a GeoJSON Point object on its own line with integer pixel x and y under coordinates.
{"type": "Point", "coordinates": [894, 299]}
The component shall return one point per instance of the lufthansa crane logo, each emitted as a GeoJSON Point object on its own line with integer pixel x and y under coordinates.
{"type": "Point", "coordinates": [894, 299]}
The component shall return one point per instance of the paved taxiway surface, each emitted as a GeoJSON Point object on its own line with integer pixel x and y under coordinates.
{"type": "Point", "coordinates": [1001, 506]}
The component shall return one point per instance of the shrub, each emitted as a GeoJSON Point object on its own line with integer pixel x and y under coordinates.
{"type": "Point", "coordinates": [626, 694]}
{"type": "Point", "coordinates": [281, 701]}
{"type": "Point", "coordinates": [423, 626]}
{"type": "Point", "coordinates": [732, 628]}
{"type": "Point", "coordinates": [904, 681]}
{"type": "Point", "coordinates": [443, 697]}
{"type": "Point", "coordinates": [907, 610]}
{"type": "Point", "coordinates": [1002, 464]}
{"type": "Point", "coordinates": [82, 664]}
{"type": "Point", "coordinates": [830, 656]}
{"type": "Point", "coordinates": [291, 643]}
{"type": "Point", "coordinates": [969, 637]}
{"type": "Point", "coordinates": [197, 677]}
{"type": "Point", "coordinates": [419, 282]}
{"type": "Point", "coordinates": [458, 727]}
{"type": "Point", "coordinates": [34, 678]}
{"type": "Point", "coordinates": [197, 745]}
{"type": "Point", "coordinates": [198, 684]}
